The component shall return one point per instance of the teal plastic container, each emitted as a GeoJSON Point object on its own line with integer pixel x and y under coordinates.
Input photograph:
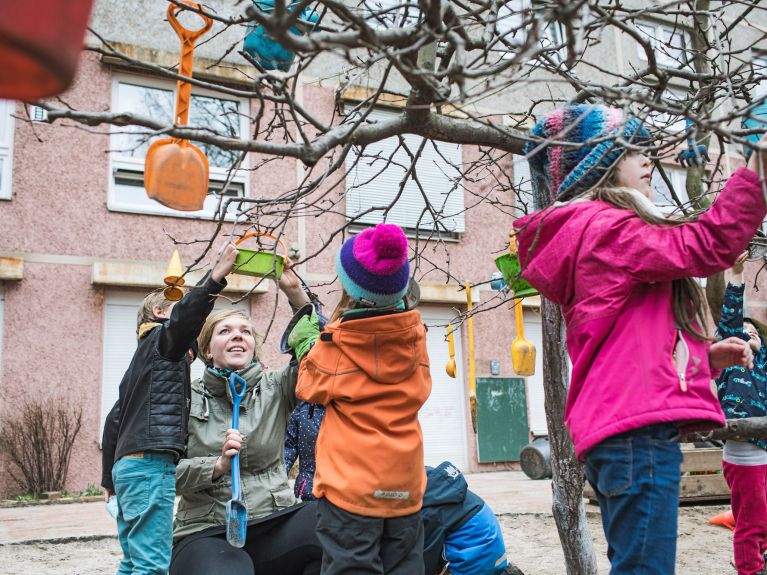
{"type": "Point", "coordinates": [757, 119]}
{"type": "Point", "coordinates": [268, 52]}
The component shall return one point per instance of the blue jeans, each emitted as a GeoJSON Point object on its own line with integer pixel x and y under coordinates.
{"type": "Point", "coordinates": [635, 476]}
{"type": "Point", "coordinates": [145, 489]}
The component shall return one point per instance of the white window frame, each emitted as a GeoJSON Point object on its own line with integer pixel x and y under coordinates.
{"type": "Point", "coordinates": [523, 185]}
{"type": "Point", "coordinates": [759, 64]}
{"type": "Point", "coordinates": [666, 55]}
{"type": "Point", "coordinates": [132, 300]}
{"type": "Point", "coordinates": [144, 204]}
{"type": "Point", "coordinates": [678, 177]}
{"type": "Point", "coordinates": [365, 196]}
{"type": "Point", "coordinates": [512, 15]}
{"type": "Point", "coordinates": [663, 120]}
{"type": "Point", "coordinates": [7, 123]}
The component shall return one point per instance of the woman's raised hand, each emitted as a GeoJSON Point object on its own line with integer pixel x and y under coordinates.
{"type": "Point", "coordinates": [225, 263]}
{"type": "Point", "coordinates": [291, 286]}
{"type": "Point", "coordinates": [231, 447]}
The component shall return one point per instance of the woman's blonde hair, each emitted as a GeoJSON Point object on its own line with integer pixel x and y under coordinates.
{"type": "Point", "coordinates": [206, 334]}
{"type": "Point", "coordinates": [344, 304]}
{"type": "Point", "coordinates": [689, 301]}
{"type": "Point", "coordinates": [156, 299]}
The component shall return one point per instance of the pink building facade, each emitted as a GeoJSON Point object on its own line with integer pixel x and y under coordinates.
{"type": "Point", "coordinates": [81, 247]}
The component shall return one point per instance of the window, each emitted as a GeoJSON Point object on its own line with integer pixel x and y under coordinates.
{"type": "Point", "coordinates": [514, 22]}
{"type": "Point", "coordinates": [390, 13]}
{"type": "Point", "coordinates": [120, 309]}
{"type": "Point", "coordinates": [760, 69]}
{"type": "Point", "coordinates": [523, 186]}
{"type": "Point", "coordinates": [661, 194]}
{"type": "Point", "coordinates": [374, 175]}
{"type": "Point", "coordinates": [668, 122]}
{"type": "Point", "coordinates": [129, 145]}
{"type": "Point", "coordinates": [7, 108]}
{"type": "Point", "coordinates": [672, 45]}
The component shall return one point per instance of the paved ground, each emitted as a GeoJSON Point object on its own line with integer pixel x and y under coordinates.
{"type": "Point", "coordinates": [507, 492]}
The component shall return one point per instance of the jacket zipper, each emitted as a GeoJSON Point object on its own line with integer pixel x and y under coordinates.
{"type": "Point", "coordinates": [681, 358]}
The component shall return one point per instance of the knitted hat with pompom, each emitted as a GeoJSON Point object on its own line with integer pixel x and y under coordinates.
{"type": "Point", "coordinates": [597, 136]}
{"type": "Point", "coordinates": [373, 266]}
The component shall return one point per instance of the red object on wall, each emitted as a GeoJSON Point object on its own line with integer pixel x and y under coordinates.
{"type": "Point", "coordinates": [40, 43]}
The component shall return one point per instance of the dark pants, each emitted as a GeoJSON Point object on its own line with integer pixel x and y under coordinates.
{"type": "Point", "coordinates": [748, 485]}
{"type": "Point", "coordinates": [286, 544]}
{"type": "Point", "coordinates": [635, 476]}
{"type": "Point", "coordinates": [355, 545]}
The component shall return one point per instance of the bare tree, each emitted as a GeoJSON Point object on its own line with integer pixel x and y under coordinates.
{"type": "Point", "coordinates": [469, 72]}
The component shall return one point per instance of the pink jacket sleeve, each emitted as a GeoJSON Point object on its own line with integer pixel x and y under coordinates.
{"type": "Point", "coordinates": [662, 253]}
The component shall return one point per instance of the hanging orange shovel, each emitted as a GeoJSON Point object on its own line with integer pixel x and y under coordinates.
{"type": "Point", "coordinates": [522, 350]}
{"type": "Point", "coordinates": [176, 172]}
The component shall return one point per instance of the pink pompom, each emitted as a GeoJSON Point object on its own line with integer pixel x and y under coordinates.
{"type": "Point", "coordinates": [389, 241]}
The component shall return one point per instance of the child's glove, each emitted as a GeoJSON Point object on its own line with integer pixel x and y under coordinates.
{"type": "Point", "coordinates": [304, 335]}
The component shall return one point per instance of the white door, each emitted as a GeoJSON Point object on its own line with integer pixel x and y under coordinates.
{"type": "Point", "coordinates": [120, 310]}
{"type": "Point", "coordinates": [443, 416]}
{"type": "Point", "coordinates": [536, 415]}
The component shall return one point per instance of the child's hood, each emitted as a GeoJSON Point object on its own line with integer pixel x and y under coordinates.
{"type": "Point", "coordinates": [549, 241]}
{"type": "Point", "coordinates": [384, 347]}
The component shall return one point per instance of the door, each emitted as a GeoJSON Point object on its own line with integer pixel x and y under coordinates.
{"type": "Point", "coordinates": [443, 416]}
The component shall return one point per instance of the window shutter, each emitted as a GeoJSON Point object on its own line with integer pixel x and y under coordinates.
{"type": "Point", "coordinates": [119, 346]}
{"type": "Point", "coordinates": [120, 311]}
{"type": "Point", "coordinates": [373, 181]}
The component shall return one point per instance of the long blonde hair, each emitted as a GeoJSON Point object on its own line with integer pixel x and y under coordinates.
{"type": "Point", "coordinates": [344, 304]}
{"type": "Point", "coordinates": [689, 301]}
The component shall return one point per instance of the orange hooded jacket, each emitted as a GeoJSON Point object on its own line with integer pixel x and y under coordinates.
{"type": "Point", "coordinates": [373, 374]}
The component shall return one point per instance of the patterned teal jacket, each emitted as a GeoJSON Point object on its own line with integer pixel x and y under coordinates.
{"type": "Point", "coordinates": [742, 392]}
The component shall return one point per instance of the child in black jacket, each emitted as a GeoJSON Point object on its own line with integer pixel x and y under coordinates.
{"type": "Point", "coordinates": [145, 432]}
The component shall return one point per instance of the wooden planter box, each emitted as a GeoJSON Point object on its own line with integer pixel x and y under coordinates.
{"type": "Point", "coordinates": [698, 483]}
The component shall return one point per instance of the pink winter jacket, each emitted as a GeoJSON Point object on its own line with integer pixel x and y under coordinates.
{"type": "Point", "coordinates": [611, 273]}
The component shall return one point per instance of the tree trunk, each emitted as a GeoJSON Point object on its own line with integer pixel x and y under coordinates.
{"type": "Point", "coordinates": [567, 485]}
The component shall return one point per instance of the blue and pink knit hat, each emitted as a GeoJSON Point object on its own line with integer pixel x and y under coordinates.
{"type": "Point", "coordinates": [567, 170]}
{"type": "Point", "coordinates": [373, 266]}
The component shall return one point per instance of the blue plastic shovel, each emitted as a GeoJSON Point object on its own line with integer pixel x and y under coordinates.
{"type": "Point", "coordinates": [236, 512]}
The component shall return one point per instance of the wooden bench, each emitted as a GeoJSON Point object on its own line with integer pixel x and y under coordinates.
{"type": "Point", "coordinates": [702, 479]}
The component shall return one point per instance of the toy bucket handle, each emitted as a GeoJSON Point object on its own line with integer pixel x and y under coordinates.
{"type": "Point", "coordinates": [512, 243]}
{"type": "Point", "coordinates": [265, 235]}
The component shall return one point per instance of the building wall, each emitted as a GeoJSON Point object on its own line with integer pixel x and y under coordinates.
{"type": "Point", "coordinates": [59, 223]}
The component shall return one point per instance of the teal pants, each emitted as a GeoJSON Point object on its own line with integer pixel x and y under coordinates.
{"type": "Point", "coordinates": [145, 489]}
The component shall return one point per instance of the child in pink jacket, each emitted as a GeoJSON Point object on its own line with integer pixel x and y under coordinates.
{"type": "Point", "coordinates": [622, 272]}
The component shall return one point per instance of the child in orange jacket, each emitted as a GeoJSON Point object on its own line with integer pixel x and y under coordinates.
{"type": "Point", "coordinates": [371, 369]}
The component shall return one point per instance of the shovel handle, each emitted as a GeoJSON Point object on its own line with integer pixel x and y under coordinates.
{"type": "Point", "coordinates": [265, 235]}
{"type": "Point", "coordinates": [188, 39]}
{"type": "Point", "coordinates": [518, 315]}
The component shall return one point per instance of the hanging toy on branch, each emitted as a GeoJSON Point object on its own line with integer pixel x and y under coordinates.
{"type": "Point", "coordinates": [265, 50]}
{"type": "Point", "coordinates": [173, 278]}
{"type": "Point", "coordinates": [522, 350]}
{"type": "Point", "coordinates": [176, 172]}
{"type": "Point", "coordinates": [40, 45]}
{"type": "Point", "coordinates": [695, 154]}
{"type": "Point", "coordinates": [756, 119]}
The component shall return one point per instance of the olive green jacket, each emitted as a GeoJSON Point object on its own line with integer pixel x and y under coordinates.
{"type": "Point", "coordinates": [264, 415]}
